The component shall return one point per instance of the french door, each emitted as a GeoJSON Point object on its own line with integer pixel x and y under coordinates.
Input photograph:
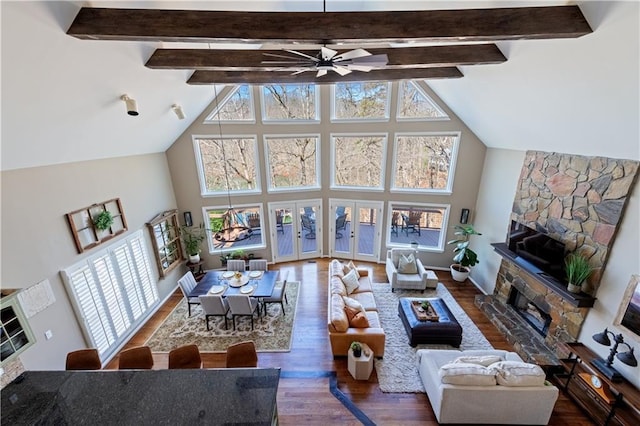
{"type": "Point", "coordinates": [296, 230]}
{"type": "Point", "coordinates": [355, 229]}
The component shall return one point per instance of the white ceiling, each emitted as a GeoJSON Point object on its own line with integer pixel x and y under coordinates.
{"type": "Point", "coordinates": [61, 96]}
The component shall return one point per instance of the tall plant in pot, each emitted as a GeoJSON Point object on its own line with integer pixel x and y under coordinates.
{"type": "Point", "coordinates": [464, 257]}
{"type": "Point", "coordinates": [578, 270]}
{"type": "Point", "coordinates": [193, 238]}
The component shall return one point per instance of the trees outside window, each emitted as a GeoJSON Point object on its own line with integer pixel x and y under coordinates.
{"type": "Point", "coordinates": [237, 107]}
{"type": "Point", "coordinates": [239, 162]}
{"type": "Point", "coordinates": [359, 161]}
{"type": "Point", "coordinates": [292, 162]}
{"type": "Point", "coordinates": [290, 102]}
{"type": "Point", "coordinates": [361, 101]}
{"type": "Point", "coordinates": [415, 104]}
{"type": "Point", "coordinates": [424, 162]}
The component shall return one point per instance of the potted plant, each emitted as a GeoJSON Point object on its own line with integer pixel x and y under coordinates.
{"type": "Point", "coordinates": [578, 270]}
{"type": "Point", "coordinates": [192, 238]}
{"type": "Point", "coordinates": [356, 347]}
{"type": "Point", "coordinates": [103, 220]}
{"type": "Point", "coordinates": [464, 257]}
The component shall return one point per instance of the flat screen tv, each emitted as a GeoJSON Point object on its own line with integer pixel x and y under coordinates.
{"type": "Point", "coordinates": [537, 248]}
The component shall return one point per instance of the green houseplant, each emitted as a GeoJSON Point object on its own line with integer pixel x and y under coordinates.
{"type": "Point", "coordinates": [103, 220]}
{"type": "Point", "coordinates": [192, 237]}
{"type": "Point", "coordinates": [464, 257]}
{"type": "Point", "coordinates": [356, 347]}
{"type": "Point", "coordinates": [578, 270]}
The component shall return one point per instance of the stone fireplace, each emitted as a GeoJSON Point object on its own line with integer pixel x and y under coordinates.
{"type": "Point", "coordinates": [579, 201]}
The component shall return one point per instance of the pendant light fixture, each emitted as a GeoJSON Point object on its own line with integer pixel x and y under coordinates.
{"type": "Point", "coordinates": [234, 226]}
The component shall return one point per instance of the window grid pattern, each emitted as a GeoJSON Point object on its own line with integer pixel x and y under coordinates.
{"type": "Point", "coordinates": [358, 161]}
{"type": "Point", "coordinates": [292, 162]}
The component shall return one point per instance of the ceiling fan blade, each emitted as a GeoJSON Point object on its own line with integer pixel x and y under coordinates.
{"type": "Point", "coordinates": [304, 55]}
{"type": "Point", "coordinates": [341, 70]}
{"type": "Point", "coordinates": [372, 61]}
{"type": "Point", "coordinates": [321, 73]}
{"type": "Point", "coordinates": [352, 54]}
{"type": "Point", "coordinates": [354, 67]}
{"type": "Point", "coordinates": [300, 71]}
{"type": "Point", "coordinates": [327, 53]}
{"type": "Point", "coordinates": [293, 62]}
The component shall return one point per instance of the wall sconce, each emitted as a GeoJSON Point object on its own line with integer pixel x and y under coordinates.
{"type": "Point", "coordinates": [625, 357]}
{"type": "Point", "coordinates": [178, 110]}
{"type": "Point", "coordinates": [132, 105]}
{"type": "Point", "coordinates": [188, 221]}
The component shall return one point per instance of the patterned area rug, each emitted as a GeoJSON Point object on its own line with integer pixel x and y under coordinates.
{"type": "Point", "coordinates": [272, 333]}
{"type": "Point", "coordinates": [397, 371]}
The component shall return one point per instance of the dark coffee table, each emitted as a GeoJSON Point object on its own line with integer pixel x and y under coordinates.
{"type": "Point", "coordinates": [445, 331]}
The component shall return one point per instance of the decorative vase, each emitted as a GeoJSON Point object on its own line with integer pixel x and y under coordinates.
{"type": "Point", "coordinates": [459, 273]}
{"type": "Point", "coordinates": [574, 288]}
{"type": "Point", "coordinates": [194, 258]}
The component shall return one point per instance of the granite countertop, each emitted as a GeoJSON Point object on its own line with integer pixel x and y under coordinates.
{"type": "Point", "coordinates": [140, 397]}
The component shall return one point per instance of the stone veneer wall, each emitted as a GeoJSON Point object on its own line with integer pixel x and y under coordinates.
{"type": "Point", "coordinates": [577, 200]}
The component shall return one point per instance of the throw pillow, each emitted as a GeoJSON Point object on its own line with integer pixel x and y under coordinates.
{"type": "Point", "coordinates": [485, 360]}
{"type": "Point", "coordinates": [516, 373]}
{"type": "Point", "coordinates": [407, 265]}
{"type": "Point", "coordinates": [351, 312]}
{"type": "Point", "coordinates": [466, 374]}
{"type": "Point", "coordinates": [359, 321]}
{"type": "Point", "coordinates": [353, 303]}
{"type": "Point", "coordinates": [351, 281]}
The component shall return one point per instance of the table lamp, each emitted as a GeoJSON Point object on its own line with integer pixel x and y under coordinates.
{"type": "Point", "coordinates": [625, 357]}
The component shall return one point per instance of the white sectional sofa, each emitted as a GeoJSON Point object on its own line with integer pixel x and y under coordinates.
{"type": "Point", "coordinates": [486, 404]}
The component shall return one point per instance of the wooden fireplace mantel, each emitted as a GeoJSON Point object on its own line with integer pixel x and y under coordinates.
{"type": "Point", "coordinates": [581, 300]}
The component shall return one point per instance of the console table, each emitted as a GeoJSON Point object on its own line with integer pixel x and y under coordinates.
{"type": "Point", "coordinates": [143, 397]}
{"type": "Point", "coordinates": [607, 402]}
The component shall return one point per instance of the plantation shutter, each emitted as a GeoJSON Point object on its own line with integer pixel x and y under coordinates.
{"type": "Point", "coordinates": [112, 290]}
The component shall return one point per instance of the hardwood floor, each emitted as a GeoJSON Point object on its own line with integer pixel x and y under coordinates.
{"type": "Point", "coordinates": [308, 400]}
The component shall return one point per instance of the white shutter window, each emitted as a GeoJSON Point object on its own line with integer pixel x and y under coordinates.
{"type": "Point", "coordinates": [111, 291]}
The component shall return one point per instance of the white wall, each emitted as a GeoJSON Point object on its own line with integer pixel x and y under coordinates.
{"type": "Point", "coordinates": [37, 242]}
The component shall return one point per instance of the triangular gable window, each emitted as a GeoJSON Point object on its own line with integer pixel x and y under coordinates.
{"type": "Point", "coordinates": [415, 104]}
{"type": "Point", "coordinates": [236, 107]}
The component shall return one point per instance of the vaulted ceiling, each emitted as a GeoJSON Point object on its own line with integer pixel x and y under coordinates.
{"type": "Point", "coordinates": [61, 95]}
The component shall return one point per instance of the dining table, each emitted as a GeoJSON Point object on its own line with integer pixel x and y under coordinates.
{"type": "Point", "coordinates": [262, 282]}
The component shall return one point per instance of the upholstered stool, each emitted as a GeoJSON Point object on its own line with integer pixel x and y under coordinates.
{"type": "Point", "coordinates": [83, 359]}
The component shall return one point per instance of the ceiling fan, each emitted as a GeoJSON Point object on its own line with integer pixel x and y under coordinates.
{"type": "Point", "coordinates": [328, 60]}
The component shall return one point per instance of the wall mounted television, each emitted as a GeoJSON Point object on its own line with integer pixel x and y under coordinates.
{"type": "Point", "coordinates": [538, 249]}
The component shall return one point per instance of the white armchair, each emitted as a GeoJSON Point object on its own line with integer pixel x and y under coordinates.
{"type": "Point", "coordinates": [418, 281]}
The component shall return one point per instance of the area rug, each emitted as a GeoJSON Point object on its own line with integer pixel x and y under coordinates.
{"type": "Point", "coordinates": [271, 333]}
{"type": "Point", "coordinates": [397, 371]}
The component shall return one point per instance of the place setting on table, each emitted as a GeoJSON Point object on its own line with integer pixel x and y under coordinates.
{"type": "Point", "coordinates": [225, 283]}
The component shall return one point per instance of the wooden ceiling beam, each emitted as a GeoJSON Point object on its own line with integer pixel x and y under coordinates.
{"type": "Point", "coordinates": [329, 27]}
{"type": "Point", "coordinates": [267, 77]}
{"type": "Point", "coordinates": [245, 60]}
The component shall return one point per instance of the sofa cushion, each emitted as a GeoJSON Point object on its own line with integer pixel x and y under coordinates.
{"type": "Point", "coordinates": [397, 252]}
{"type": "Point", "coordinates": [337, 286]}
{"type": "Point", "coordinates": [353, 303]}
{"type": "Point", "coordinates": [374, 319]}
{"type": "Point", "coordinates": [514, 373]}
{"type": "Point", "coordinates": [350, 267]}
{"type": "Point", "coordinates": [407, 265]}
{"type": "Point", "coordinates": [350, 281]}
{"type": "Point", "coordinates": [366, 299]}
{"type": "Point", "coordinates": [484, 360]}
{"type": "Point", "coordinates": [467, 374]}
{"type": "Point", "coordinates": [338, 316]}
{"type": "Point", "coordinates": [364, 285]}
{"type": "Point", "coordinates": [336, 268]}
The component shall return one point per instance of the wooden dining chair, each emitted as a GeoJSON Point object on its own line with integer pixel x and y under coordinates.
{"type": "Point", "coordinates": [83, 359]}
{"type": "Point", "coordinates": [187, 283]}
{"type": "Point", "coordinates": [236, 265]}
{"type": "Point", "coordinates": [187, 356]}
{"type": "Point", "coordinates": [138, 358]}
{"type": "Point", "coordinates": [242, 355]}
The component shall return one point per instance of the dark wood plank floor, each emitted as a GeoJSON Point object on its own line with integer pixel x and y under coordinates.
{"type": "Point", "coordinates": [308, 400]}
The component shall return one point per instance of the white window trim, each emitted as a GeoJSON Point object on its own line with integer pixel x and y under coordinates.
{"type": "Point", "coordinates": [211, 117]}
{"type": "Point", "coordinates": [443, 233]}
{"type": "Point", "coordinates": [334, 185]}
{"type": "Point", "coordinates": [200, 166]}
{"type": "Point", "coordinates": [263, 228]}
{"type": "Point", "coordinates": [448, 190]}
{"type": "Point", "coordinates": [109, 252]}
{"type": "Point", "coordinates": [316, 101]}
{"type": "Point", "coordinates": [317, 185]}
{"type": "Point", "coordinates": [436, 106]}
{"type": "Point", "coordinates": [384, 119]}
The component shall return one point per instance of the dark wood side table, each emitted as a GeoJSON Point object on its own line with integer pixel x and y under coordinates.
{"type": "Point", "coordinates": [196, 269]}
{"type": "Point", "coordinates": [607, 402]}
